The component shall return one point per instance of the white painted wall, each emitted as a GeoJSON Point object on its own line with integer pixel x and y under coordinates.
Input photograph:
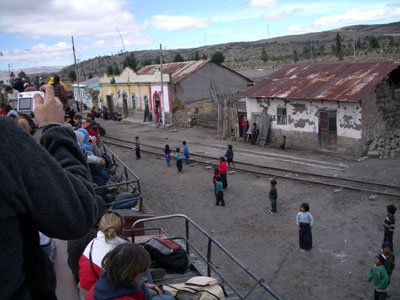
{"type": "Point", "coordinates": [344, 109]}
{"type": "Point", "coordinates": [165, 103]}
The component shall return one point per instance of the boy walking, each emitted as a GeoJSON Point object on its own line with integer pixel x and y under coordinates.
{"type": "Point", "coordinates": [381, 279]}
{"type": "Point", "coordinates": [219, 192]}
{"type": "Point", "coordinates": [186, 152]}
{"type": "Point", "coordinates": [389, 224]}
{"type": "Point", "coordinates": [137, 147]}
{"type": "Point", "coordinates": [273, 197]}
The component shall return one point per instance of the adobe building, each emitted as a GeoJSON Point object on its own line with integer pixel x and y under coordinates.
{"type": "Point", "coordinates": [183, 82]}
{"type": "Point", "coordinates": [339, 106]}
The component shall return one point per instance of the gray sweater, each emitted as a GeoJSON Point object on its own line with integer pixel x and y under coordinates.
{"type": "Point", "coordinates": [42, 188]}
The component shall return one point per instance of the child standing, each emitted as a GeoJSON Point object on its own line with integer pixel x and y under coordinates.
{"type": "Point", "coordinates": [273, 197]}
{"type": "Point", "coordinates": [389, 258]}
{"type": "Point", "coordinates": [137, 147]}
{"type": "Point", "coordinates": [222, 172]}
{"type": "Point", "coordinates": [233, 135]}
{"type": "Point", "coordinates": [305, 222]}
{"type": "Point", "coordinates": [214, 179]}
{"type": "Point", "coordinates": [167, 153]}
{"type": "Point", "coordinates": [219, 192]}
{"type": "Point", "coordinates": [389, 224]}
{"type": "Point", "coordinates": [283, 145]}
{"type": "Point", "coordinates": [186, 152]}
{"type": "Point", "coordinates": [178, 156]}
{"type": "Point", "coordinates": [379, 275]}
{"type": "Point", "coordinates": [229, 155]}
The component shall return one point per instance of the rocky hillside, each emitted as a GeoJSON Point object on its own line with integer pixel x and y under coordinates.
{"type": "Point", "coordinates": [369, 42]}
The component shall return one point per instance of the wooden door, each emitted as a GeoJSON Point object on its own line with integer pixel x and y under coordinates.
{"type": "Point", "coordinates": [327, 130]}
{"type": "Point", "coordinates": [110, 104]}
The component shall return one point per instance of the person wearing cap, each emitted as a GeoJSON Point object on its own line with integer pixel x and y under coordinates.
{"type": "Point", "coordinates": [381, 279]}
{"type": "Point", "coordinates": [389, 224]}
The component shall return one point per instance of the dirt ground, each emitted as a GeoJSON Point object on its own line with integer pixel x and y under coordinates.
{"type": "Point", "coordinates": [347, 233]}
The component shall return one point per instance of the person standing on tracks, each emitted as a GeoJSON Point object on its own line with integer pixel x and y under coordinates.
{"type": "Point", "coordinates": [305, 222]}
{"type": "Point", "coordinates": [273, 197]}
{"type": "Point", "coordinates": [254, 134]}
{"type": "Point", "coordinates": [223, 170]}
{"type": "Point", "coordinates": [229, 156]}
{"type": "Point", "coordinates": [137, 147]}
{"type": "Point", "coordinates": [186, 152]}
{"type": "Point", "coordinates": [61, 206]}
{"type": "Point", "coordinates": [178, 156]}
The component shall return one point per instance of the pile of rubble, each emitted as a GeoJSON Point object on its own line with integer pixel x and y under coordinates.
{"type": "Point", "coordinates": [386, 146]}
{"type": "Point", "coordinates": [199, 114]}
{"type": "Point", "coordinates": [183, 119]}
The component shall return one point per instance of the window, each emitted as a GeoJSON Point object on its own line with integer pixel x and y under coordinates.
{"type": "Point", "coordinates": [282, 116]}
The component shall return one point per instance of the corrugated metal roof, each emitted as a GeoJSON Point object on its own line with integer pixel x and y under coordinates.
{"type": "Point", "coordinates": [178, 70]}
{"type": "Point", "coordinates": [343, 81]}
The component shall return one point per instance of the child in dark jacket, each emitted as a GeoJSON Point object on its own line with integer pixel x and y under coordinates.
{"type": "Point", "coordinates": [178, 156]}
{"type": "Point", "coordinates": [124, 268]}
{"type": "Point", "coordinates": [273, 197]}
{"type": "Point", "coordinates": [389, 256]}
{"type": "Point", "coordinates": [389, 224]}
{"type": "Point", "coordinates": [167, 153]}
{"type": "Point", "coordinates": [229, 155]}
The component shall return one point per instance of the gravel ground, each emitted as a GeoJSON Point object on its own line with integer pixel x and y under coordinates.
{"type": "Point", "coordinates": [348, 225]}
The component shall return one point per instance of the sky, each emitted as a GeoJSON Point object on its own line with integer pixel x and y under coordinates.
{"type": "Point", "coordinates": [38, 32]}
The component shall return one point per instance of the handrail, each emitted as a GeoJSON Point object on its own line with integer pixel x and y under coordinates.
{"type": "Point", "coordinates": [127, 172]}
{"type": "Point", "coordinates": [207, 259]}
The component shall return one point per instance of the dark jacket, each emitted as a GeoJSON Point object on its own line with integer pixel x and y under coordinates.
{"type": "Point", "coordinates": [48, 191]}
{"type": "Point", "coordinates": [60, 93]}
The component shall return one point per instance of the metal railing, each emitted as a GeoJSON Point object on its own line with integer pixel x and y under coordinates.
{"type": "Point", "coordinates": [129, 178]}
{"type": "Point", "coordinates": [259, 282]}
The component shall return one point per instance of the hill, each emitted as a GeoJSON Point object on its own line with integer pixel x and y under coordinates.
{"type": "Point", "coordinates": [367, 42]}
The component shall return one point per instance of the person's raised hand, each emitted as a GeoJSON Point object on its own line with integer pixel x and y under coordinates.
{"type": "Point", "coordinates": [49, 109]}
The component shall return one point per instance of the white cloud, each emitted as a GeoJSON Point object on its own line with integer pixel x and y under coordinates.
{"type": "Point", "coordinates": [283, 14]}
{"type": "Point", "coordinates": [356, 16]}
{"type": "Point", "coordinates": [172, 23]}
{"type": "Point", "coordinates": [60, 18]}
{"type": "Point", "coordinates": [263, 3]}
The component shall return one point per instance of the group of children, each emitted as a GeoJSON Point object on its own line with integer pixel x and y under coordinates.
{"type": "Point", "coordinates": [178, 156]}
{"type": "Point", "coordinates": [382, 270]}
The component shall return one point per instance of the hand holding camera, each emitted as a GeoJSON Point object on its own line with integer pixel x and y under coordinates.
{"type": "Point", "coordinates": [49, 109]}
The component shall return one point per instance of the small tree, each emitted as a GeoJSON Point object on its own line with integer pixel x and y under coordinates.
{"type": "Point", "coordinates": [110, 70]}
{"type": "Point", "coordinates": [204, 56]}
{"type": "Point", "coordinates": [218, 57]}
{"type": "Point", "coordinates": [306, 52]}
{"type": "Point", "coordinates": [178, 58]}
{"type": "Point", "coordinates": [196, 56]}
{"type": "Point", "coordinates": [72, 75]}
{"type": "Point", "coordinates": [90, 75]}
{"type": "Point", "coordinates": [264, 55]}
{"type": "Point", "coordinates": [391, 42]}
{"type": "Point", "coordinates": [22, 74]}
{"type": "Point", "coordinates": [131, 62]}
{"type": "Point", "coordinates": [146, 62]}
{"type": "Point", "coordinates": [373, 43]}
{"type": "Point", "coordinates": [116, 71]}
{"type": "Point", "coordinates": [295, 57]}
{"type": "Point", "coordinates": [338, 48]}
{"type": "Point", "coordinates": [156, 60]}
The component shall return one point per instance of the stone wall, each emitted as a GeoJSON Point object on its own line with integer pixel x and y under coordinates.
{"type": "Point", "coordinates": [200, 114]}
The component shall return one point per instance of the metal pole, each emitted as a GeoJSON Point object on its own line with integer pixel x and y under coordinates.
{"type": "Point", "coordinates": [76, 72]}
{"type": "Point", "coordinates": [162, 89]}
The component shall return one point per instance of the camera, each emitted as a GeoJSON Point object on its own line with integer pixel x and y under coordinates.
{"type": "Point", "coordinates": [26, 101]}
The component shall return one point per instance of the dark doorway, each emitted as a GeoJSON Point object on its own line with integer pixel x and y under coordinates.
{"type": "Point", "coordinates": [125, 104]}
{"type": "Point", "coordinates": [110, 104]}
{"type": "Point", "coordinates": [327, 130]}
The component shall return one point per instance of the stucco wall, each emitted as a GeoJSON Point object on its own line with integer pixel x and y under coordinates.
{"type": "Point", "coordinates": [196, 87]}
{"type": "Point", "coordinates": [302, 122]}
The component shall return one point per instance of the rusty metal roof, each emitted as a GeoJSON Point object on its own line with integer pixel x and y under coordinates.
{"type": "Point", "coordinates": [342, 81]}
{"type": "Point", "coordinates": [178, 70]}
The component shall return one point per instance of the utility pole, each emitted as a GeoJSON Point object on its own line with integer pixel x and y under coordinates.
{"type": "Point", "coordinates": [123, 45]}
{"type": "Point", "coordinates": [162, 89]}
{"type": "Point", "coordinates": [76, 73]}
{"type": "Point", "coordinates": [354, 44]}
{"type": "Point", "coordinates": [312, 52]}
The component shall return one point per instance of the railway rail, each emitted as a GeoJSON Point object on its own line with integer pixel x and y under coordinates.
{"type": "Point", "coordinates": [339, 182]}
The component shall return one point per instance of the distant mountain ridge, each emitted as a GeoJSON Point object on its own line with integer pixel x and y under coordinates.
{"type": "Point", "coordinates": [370, 42]}
{"type": "Point", "coordinates": [35, 70]}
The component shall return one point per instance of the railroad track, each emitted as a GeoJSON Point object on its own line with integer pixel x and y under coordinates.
{"type": "Point", "coordinates": [338, 182]}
